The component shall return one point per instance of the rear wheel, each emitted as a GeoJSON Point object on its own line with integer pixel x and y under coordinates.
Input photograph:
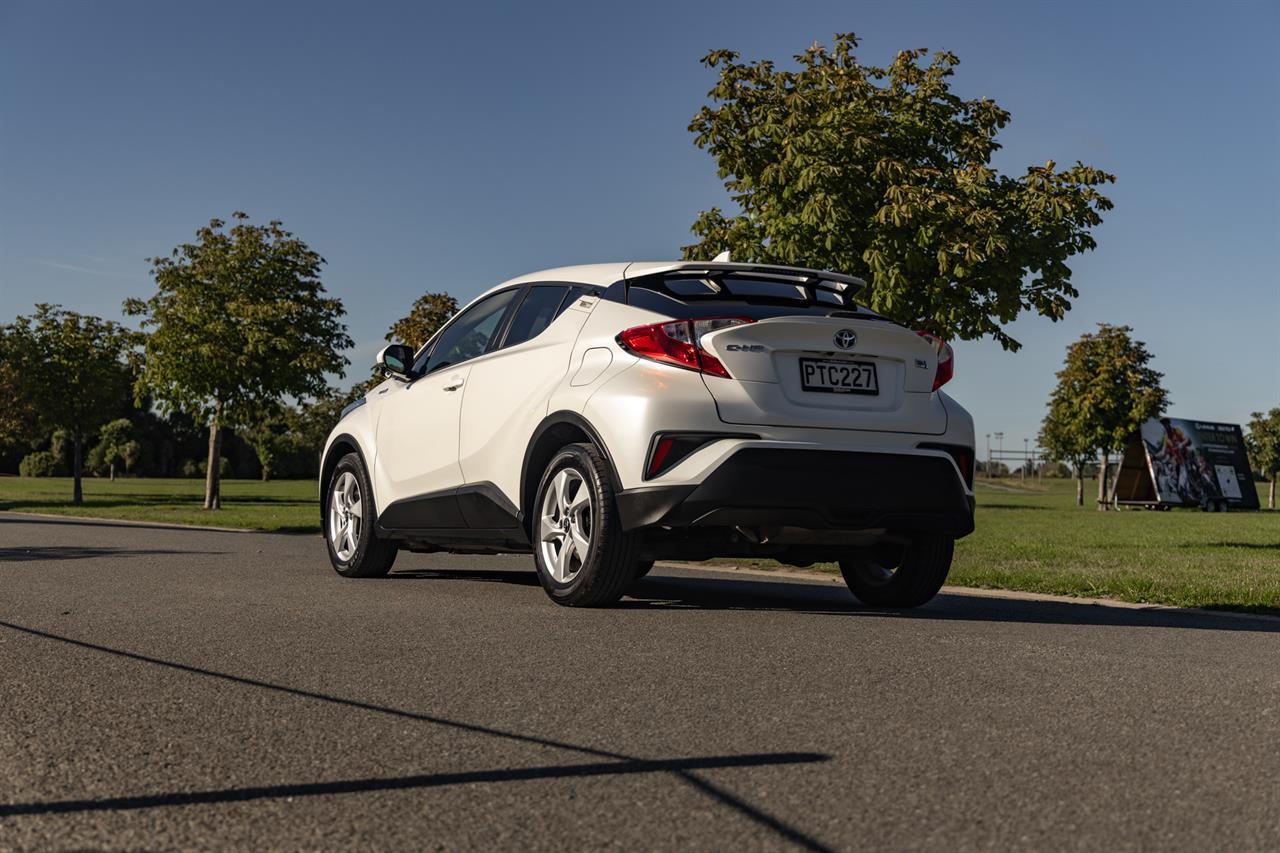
{"type": "Point", "coordinates": [354, 549]}
{"type": "Point", "coordinates": [899, 575]}
{"type": "Point", "coordinates": [583, 557]}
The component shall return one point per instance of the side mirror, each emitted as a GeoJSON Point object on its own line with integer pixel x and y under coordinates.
{"type": "Point", "coordinates": [395, 359]}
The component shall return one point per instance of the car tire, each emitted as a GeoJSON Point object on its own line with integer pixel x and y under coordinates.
{"type": "Point", "coordinates": [921, 569]}
{"type": "Point", "coordinates": [348, 521]}
{"type": "Point", "coordinates": [643, 568]}
{"type": "Point", "coordinates": [583, 556]}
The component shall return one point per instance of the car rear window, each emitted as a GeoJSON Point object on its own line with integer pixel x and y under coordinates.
{"type": "Point", "coordinates": [759, 297]}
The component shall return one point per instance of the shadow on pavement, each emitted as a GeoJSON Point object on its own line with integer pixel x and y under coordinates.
{"type": "Point", "coordinates": [617, 763]}
{"type": "Point", "coordinates": [84, 552]}
{"type": "Point", "coordinates": [735, 594]}
{"type": "Point", "coordinates": [723, 592]}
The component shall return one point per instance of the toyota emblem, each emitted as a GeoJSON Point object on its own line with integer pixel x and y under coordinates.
{"type": "Point", "coordinates": [845, 339]}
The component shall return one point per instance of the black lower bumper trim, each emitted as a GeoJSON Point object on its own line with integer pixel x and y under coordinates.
{"type": "Point", "coordinates": [812, 489]}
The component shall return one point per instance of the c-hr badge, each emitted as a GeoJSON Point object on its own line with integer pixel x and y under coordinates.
{"type": "Point", "coordinates": [845, 339]}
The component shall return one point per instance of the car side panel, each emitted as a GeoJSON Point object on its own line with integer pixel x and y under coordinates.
{"type": "Point", "coordinates": [507, 396]}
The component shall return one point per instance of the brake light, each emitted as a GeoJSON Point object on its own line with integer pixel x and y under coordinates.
{"type": "Point", "coordinates": [946, 359]}
{"type": "Point", "coordinates": [679, 343]}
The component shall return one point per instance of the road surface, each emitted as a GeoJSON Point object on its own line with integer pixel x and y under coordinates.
{"type": "Point", "coordinates": [189, 689]}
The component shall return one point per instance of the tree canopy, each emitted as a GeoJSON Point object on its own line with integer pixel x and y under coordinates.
{"type": "Point", "coordinates": [1105, 390]}
{"type": "Point", "coordinates": [1263, 441]}
{"type": "Point", "coordinates": [70, 371]}
{"type": "Point", "coordinates": [239, 322]}
{"type": "Point", "coordinates": [429, 312]}
{"type": "Point", "coordinates": [885, 173]}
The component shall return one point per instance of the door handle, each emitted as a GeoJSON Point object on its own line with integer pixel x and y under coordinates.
{"type": "Point", "coordinates": [454, 383]}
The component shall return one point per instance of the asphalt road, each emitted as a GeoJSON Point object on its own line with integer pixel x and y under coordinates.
{"type": "Point", "coordinates": [187, 689]}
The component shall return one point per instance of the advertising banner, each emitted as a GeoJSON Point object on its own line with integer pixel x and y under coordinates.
{"type": "Point", "coordinates": [1194, 462]}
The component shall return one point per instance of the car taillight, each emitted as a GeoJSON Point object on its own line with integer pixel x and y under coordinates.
{"type": "Point", "coordinates": [946, 359]}
{"type": "Point", "coordinates": [679, 342]}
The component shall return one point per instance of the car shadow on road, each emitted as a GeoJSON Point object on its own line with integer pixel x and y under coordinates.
{"type": "Point", "coordinates": [672, 590]}
{"type": "Point", "coordinates": [607, 763]}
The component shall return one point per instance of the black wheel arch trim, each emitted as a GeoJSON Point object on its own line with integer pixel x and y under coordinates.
{"type": "Point", "coordinates": [551, 421]}
{"type": "Point", "coordinates": [330, 461]}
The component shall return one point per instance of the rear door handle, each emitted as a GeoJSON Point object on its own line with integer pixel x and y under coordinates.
{"type": "Point", "coordinates": [454, 383]}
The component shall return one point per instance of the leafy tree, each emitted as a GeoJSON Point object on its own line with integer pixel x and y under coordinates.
{"type": "Point", "coordinates": [429, 313]}
{"type": "Point", "coordinates": [75, 369]}
{"type": "Point", "coordinates": [240, 322]}
{"type": "Point", "coordinates": [112, 442]}
{"type": "Point", "coordinates": [1263, 441]}
{"type": "Point", "coordinates": [885, 173]}
{"type": "Point", "coordinates": [42, 463]}
{"type": "Point", "coordinates": [19, 416]}
{"type": "Point", "coordinates": [1105, 390]}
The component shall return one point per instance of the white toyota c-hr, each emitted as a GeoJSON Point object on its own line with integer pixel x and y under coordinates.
{"type": "Point", "coordinates": [607, 416]}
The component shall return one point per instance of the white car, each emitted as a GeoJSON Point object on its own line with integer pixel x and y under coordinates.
{"type": "Point", "coordinates": [607, 416]}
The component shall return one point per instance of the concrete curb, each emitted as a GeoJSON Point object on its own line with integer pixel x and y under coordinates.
{"type": "Point", "coordinates": [789, 573]}
{"type": "Point", "coordinates": [167, 525]}
{"type": "Point", "coordinates": [976, 592]}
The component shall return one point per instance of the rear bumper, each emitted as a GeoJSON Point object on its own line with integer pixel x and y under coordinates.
{"type": "Point", "coordinates": [812, 489]}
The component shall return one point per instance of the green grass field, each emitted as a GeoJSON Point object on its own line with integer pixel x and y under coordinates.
{"type": "Point", "coordinates": [1033, 539]}
{"type": "Point", "coordinates": [278, 506]}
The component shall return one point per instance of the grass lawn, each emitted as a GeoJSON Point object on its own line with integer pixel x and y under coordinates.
{"type": "Point", "coordinates": [1033, 539]}
{"type": "Point", "coordinates": [279, 505]}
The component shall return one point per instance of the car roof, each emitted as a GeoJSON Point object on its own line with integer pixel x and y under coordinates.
{"type": "Point", "coordinates": [603, 275]}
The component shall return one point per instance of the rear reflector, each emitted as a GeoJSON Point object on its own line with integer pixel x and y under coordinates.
{"type": "Point", "coordinates": [946, 359]}
{"type": "Point", "coordinates": [963, 457]}
{"type": "Point", "coordinates": [667, 450]}
{"type": "Point", "coordinates": [678, 343]}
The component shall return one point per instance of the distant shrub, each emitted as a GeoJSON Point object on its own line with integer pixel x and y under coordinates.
{"type": "Point", "coordinates": [192, 468]}
{"type": "Point", "coordinates": [42, 463]}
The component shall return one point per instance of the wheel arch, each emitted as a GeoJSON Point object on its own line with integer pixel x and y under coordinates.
{"type": "Point", "coordinates": [341, 445]}
{"type": "Point", "coordinates": [552, 433]}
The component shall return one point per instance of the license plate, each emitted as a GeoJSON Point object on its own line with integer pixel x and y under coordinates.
{"type": "Point", "coordinates": [838, 377]}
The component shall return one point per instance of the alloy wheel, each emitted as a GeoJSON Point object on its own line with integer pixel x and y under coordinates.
{"type": "Point", "coordinates": [565, 525]}
{"type": "Point", "coordinates": [345, 516]}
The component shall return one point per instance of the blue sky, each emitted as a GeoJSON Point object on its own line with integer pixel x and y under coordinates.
{"type": "Point", "coordinates": [451, 146]}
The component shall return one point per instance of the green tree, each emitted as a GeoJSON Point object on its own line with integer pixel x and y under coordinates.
{"type": "Point", "coordinates": [75, 369]}
{"type": "Point", "coordinates": [1263, 441]}
{"type": "Point", "coordinates": [19, 415]}
{"type": "Point", "coordinates": [112, 441]}
{"type": "Point", "coordinates": [428, 314]}
{"type": "Point", "coordinates": [240, 321]}
{"type": "Point", "coordinates": [1105, 390]}
{"type": "Point", "coordinates": [274, 435]}
{"type": "Point", "coordinates": [885, 173]}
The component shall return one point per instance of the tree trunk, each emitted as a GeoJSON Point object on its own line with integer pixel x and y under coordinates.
{"type": "Point", "coordinates": [1080, 485]}
{"type": "Point", "coordinates": [113, 472]}
{"type": "Point", "coordinates": [213, 471]}
{"type": "Point", "coordinates": [1104, 468]}
{"type": "Point", "coordinates": [77, 492]}
{"type": "Point", "coordinates": [1271, 498]}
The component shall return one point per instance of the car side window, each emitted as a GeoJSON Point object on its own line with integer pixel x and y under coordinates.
{"type": "Point", "coordinates": [540, 306]}
{"type": "Point", "coordinates": [470, 332]}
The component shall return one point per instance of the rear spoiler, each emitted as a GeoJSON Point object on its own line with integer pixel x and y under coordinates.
{"type": "Point", "coordinates": [847, 286]}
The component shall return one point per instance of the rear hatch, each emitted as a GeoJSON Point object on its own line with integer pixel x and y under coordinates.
{"type": "Point", "coordinates": [810, 357]}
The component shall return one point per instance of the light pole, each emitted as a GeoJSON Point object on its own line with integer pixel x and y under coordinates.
{"type": "Point", "coordinates": [1026, 457]}
{"type": "Point", "coordinates": [988, 456]}
{"type": "Point", "coordinates": [999, 444]}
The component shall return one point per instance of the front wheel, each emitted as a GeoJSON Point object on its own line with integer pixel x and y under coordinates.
{"type": "Point", "coordinates": [899, 576]}
{"type": "Point", "coordinates": [583, 557]}
{"type": "Point", "coordinates": [354, 549]}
